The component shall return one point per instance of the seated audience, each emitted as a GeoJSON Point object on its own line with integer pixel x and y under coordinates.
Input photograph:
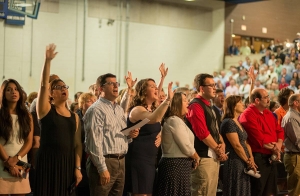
{"type": "Point", "coordinates": [232, 89]}
{"type": "Point", "coordinates": [283, 83]}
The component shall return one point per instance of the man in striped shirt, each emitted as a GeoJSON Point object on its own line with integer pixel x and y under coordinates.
{"type": "Point", "coordinates": [105, 144]}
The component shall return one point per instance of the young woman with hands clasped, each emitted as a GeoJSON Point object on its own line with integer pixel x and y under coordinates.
{"type": "Point", "coordinates": [143, 150]}
{"type": "Point", "coordinates": [178, 153]}
{"type": "Point", "coordinates": [236, 181]}
{"type": "Point", "coordinates": [58, 158]}
{"type": "Point", "coordinates": [16, 133]}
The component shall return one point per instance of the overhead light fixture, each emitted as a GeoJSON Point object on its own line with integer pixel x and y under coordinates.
{"type": "Point", "coordinates": [24, 5]}
{"type": "Point", "coordinates": [233, 35]}
{"type": "Point", "coordinates": [189, 0]}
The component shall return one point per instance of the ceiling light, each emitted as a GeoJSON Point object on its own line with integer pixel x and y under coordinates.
{"type": "Point", "coordinates": [189, 0]}
{"type": "Point", "coordinates": [23, 5]}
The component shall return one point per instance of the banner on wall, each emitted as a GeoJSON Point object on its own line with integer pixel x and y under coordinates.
{"type": "Point", "coordinates": [14, 11]}
{"type": "Point", "coordinates": [16, 18]}
{"type": "Point", "coordinates": [3, 8]}
{"type": "Point", "coordinates": [32, 7]}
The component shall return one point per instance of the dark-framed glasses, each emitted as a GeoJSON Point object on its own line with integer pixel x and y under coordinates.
{"type": "Point", "coordinates": [60, 87]}
{"type": "Point", "coordinates": [211, 85]}
{"type": "Point", "coordinates": [266, 97]}
{"type": "Point", "coordinates": [116, 84]}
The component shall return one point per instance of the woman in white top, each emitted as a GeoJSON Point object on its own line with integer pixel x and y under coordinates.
{"type": "Point", "coordinates": [178, 152]}
{"type": "Point", "coordinates": [16, 133]}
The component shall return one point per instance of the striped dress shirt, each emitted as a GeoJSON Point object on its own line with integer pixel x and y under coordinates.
{"type": "Point", "coordinates": [103, 122]}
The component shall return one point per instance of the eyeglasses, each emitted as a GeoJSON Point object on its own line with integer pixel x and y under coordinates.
{"type": "Point", "coordinates": [115, 84]}
{"type": "Point", "coordinates": [266, 97]}
{"type": "Point", "coordinates": [59, 87]}
{"type": "Point", "coordinates": [211, 85]}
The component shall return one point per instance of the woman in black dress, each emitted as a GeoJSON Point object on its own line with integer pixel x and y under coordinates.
{"type": "Point", "coordinates": [59, 155]}
{"type": "Point", "coordinates": [142, 151]}
{"type": "Point", "coordinates": [236, 181]}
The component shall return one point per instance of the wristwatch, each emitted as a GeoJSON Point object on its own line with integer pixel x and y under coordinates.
{"type": "Point", "coordinates": [19, 157]}
{"type": "Point", "coordinates": [79, 168]}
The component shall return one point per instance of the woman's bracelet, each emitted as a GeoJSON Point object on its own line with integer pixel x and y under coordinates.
{"type": "Point", "coordinates": [6, 159]}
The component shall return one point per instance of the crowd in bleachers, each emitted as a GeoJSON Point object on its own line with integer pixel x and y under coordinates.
{"type": "Point", "coordinates": [78, 147]}
{"type": "Point", "coordinates": [278, 68]}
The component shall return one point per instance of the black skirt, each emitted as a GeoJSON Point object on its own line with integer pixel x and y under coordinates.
{"type": "Point", "coordinates": [174, 175]}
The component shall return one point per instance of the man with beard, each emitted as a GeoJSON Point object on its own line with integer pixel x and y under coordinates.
{"type": "Point", "coordinates": [265, 137]}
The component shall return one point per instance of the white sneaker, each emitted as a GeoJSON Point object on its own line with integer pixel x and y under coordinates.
{"type": "Point", "coordinates": [251, 173]}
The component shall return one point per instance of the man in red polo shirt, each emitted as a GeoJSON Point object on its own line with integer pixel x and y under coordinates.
{"type": "Point", "coordinates": [265, 137]}
{"type": "Point", "coordinates": [209, 144]}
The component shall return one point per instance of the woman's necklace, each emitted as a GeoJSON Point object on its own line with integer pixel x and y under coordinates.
{"type": "Point", "coordinates": [146, 107]}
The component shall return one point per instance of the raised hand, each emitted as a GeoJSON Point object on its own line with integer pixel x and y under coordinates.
{"type": "Point", "coordinates": [50, 52]}
{"type": "Point", "coordinates": [170, 92]}
{"type": "Point", "coordinates": [130, 83]}
{"type": "Point", "coordinates": [251, 74]}
{"type": "Point", "coordinates": [163, 70]}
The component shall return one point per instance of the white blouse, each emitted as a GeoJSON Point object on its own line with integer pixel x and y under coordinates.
{"type": "Point", "coordinates": [177, 140]}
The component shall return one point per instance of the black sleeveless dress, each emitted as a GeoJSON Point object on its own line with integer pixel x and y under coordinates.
{"type": "Point", "coordinates": [141, 157]}
{"type": "Point", "coordinates": [55, 162]}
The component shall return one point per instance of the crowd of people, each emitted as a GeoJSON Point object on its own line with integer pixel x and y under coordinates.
{"type": "Point", "coordinates": [80, 148]}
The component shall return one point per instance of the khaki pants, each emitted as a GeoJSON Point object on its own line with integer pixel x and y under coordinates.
{"type": "Point", "coordinates": [116, 169]}
{"type": "Point", "coordinates": [292, 167]}
{"type": "Point", "coordinates": [204, 178]}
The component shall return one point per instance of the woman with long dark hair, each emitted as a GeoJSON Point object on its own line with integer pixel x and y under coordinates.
{"type": "Point", "coordinates": [16, 133]}
{"type": "Point", "coordinates": [59, 156]}
{"type": "Point", "coordinates": [236, 181]}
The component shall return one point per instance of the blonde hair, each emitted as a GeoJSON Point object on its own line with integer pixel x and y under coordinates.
{"type": "Point", "coordinates": [31, 97]}
{"type": "Point", "coordinates": [84, 97]}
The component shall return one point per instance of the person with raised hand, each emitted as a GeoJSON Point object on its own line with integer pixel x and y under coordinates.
{"type": "Point", "coordinates": [163, 73]}
{"type": "Point", "coordinates": [59, 156]}
{"type": "Point", "coordinates": [143, 150]}
{"type": "Point", "coordinates": [128, 95]}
